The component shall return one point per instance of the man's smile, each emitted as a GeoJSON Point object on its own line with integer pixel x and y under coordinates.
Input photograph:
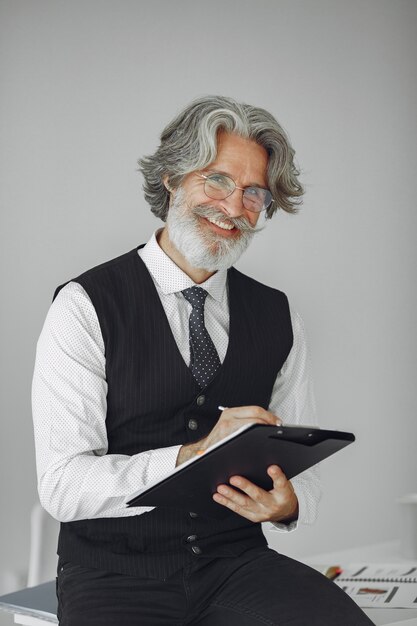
{"type": "Point", "coordinates": [219, 222]}
{"type": "Point", "coordinates": [220, 226]}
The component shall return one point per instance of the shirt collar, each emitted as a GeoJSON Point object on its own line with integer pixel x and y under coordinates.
{"type": "Point", "coordinates": [171, 279]}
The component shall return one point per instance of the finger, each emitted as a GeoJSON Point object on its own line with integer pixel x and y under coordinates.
{"type": "Point", "coordinates": [253, 412]}
{"type": "Point", "coordinates": [255, 493]}
{"type": "Point", "coordinates": [237, 497]}
{"type": "Point", "coordinates": [236, 508]}
{"type": "Point", "coordinates": [279, 479]}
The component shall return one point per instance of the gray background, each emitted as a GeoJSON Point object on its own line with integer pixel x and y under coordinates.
{"type": "Point", "coordinates": [87, 87]}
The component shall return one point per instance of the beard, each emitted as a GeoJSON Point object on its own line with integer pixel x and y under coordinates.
{"type": "Point", "coordinates": [199, 245]}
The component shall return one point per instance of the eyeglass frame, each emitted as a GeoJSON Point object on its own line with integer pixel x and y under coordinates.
{"type": "Point", "coordinates": [236, 187]}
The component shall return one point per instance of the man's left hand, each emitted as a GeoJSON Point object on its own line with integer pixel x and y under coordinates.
{"type": "Point", "coordinates": [257, 505]}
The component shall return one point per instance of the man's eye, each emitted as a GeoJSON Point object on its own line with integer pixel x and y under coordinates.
{"type": "Point", "coordinates": [253, 191]}
{"type": "Point", "coordinates": [217, 179]}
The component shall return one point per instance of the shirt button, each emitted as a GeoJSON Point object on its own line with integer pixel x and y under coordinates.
{"type": "Point", "coordinates": [191, 538]}
{"type": "Point", "coordinates": [192, 424]}
{"type": "Point", "coordinates": [196, 550]}
{"type": "Point", "coordinates": [201, 400]}
{"type": "Point", "coordinates": [192, 514]}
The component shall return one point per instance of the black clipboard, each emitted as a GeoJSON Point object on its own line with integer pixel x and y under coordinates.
{"type": "Point", "coordinates": [247, 452]}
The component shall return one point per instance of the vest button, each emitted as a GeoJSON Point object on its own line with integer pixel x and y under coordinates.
{"type": "Point", "coordinates": [192, 514]}
{"type": "Point", "coordinates": [192, 538]}
{"type": "Point", "coordinates": [201, 400]}
{"type": "Point", "coordinates": [192, 424]}
{"type": "Point", "coordinates": [196, 550]}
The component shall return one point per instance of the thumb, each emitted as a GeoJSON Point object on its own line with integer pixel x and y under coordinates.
{"type": "Point", "coordinates": [278, 477]}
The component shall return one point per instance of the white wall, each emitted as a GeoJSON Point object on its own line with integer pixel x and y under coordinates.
{"type": "Point", "coordinates": [86, 88]}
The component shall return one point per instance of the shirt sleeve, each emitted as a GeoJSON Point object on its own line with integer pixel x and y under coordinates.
{"type": "Point", "coordinates": [76, 478]}
{"type": "Point", "coordinates": [293, 401]}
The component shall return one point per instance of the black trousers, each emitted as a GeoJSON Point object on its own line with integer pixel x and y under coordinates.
{"type": "Point", "coordinates": [259, 587]}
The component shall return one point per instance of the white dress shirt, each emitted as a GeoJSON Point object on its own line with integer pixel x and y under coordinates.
{"type": "Point", "coordinates": [76, 478]}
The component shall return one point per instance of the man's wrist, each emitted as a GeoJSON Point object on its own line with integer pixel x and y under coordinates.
{"type": "Point", "coordinates": [290, 517]}
{"type": "Point", "coordinates": [188, 451]}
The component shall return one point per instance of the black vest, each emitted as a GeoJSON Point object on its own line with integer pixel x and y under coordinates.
{"type": "Point", "coordinates": [152, 396]}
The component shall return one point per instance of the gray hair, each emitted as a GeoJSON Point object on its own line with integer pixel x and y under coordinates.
{"type": "Point", "coordinates": [189, 143]}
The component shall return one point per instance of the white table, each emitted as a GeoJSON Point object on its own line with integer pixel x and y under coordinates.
{"type": "Point", "coordinates": [388, 552]}
{"type": "Point", "coordinates": [32, 606]}
{"type": "Point", "coordinates": [29, 620]}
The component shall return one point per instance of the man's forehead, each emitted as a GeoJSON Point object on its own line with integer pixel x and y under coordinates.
{"type": "Point", "coordinates": [239, 156]}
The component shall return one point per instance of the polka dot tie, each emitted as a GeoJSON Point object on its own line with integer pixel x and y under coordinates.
{"type": "Point", "coordinates": [204, 358]}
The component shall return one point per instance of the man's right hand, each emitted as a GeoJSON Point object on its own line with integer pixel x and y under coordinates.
{"type": "Point", "coordinates": [229, 421]}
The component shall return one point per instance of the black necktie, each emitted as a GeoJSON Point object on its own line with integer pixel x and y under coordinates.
{"type": "Point", "coordinates": [204, 358]}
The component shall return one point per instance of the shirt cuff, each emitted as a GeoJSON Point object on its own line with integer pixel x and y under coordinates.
{"type": "Point", "coordinates": [161, 463]}
{"type": "Point", "coordinates": [284, 528]}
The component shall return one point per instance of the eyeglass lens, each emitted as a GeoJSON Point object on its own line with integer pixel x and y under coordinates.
{"type": "Point", "coordinates": [219, 187]}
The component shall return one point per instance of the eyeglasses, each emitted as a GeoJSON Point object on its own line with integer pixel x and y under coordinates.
{"type": "Point", "coordinates": [219, 187]}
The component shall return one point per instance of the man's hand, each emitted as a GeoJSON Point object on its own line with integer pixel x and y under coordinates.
{"type": "Point", "coordinates": [229, 421]}
{"type": "Point", "coordinates": [257, 505]}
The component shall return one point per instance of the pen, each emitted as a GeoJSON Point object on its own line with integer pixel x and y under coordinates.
{"type": "Point", "coordinates": [221, 408]}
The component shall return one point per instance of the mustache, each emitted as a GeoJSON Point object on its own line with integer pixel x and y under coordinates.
{"type": "Point", "coordinates": [238, 222]}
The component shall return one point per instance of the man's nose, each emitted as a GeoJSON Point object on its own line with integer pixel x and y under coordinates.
{"type": "Point", "coordinates": [233, 204]}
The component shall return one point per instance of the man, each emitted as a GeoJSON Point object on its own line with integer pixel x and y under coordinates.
{"type": "Point", "coordinates": [136, 356]}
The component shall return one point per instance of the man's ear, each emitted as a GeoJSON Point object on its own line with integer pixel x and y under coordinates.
{"type": "Point", "coordinates": [165, 180]}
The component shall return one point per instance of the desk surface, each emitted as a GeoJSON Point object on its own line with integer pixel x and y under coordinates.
{"type": "Point", "coordinates": [387, 552]}
{"type": "Point", "coordinates": [37, 605]}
